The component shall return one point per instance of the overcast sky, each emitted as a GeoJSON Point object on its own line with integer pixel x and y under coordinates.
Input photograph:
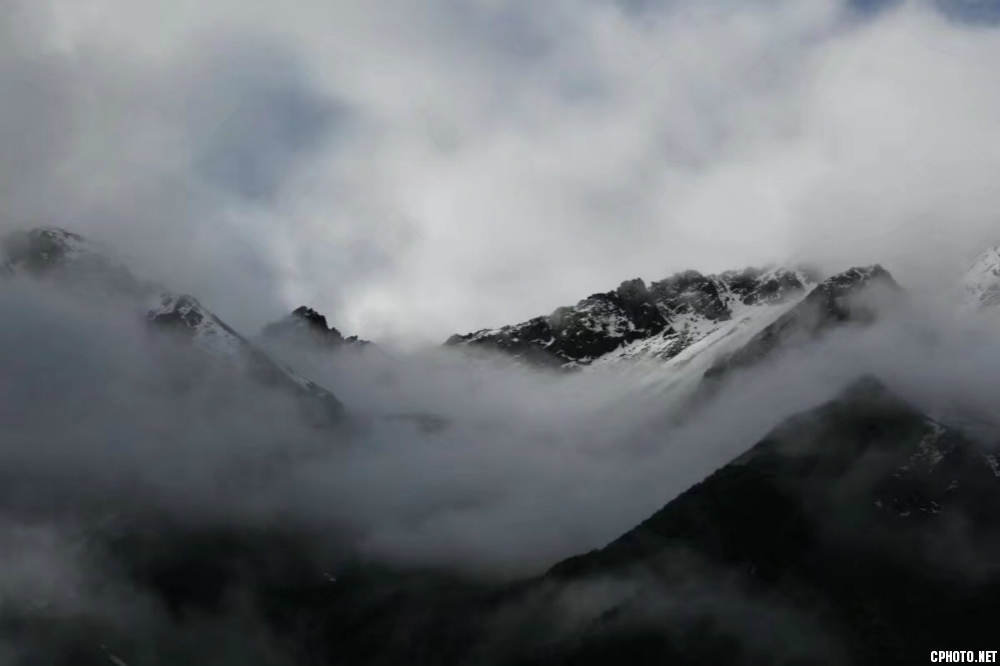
{"type": "Point", "coordinates": [414, 168]}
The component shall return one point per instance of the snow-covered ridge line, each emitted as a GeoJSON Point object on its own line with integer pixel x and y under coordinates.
{"type": "Point", "coordinates": [635, 321]}
{"type": "Point", "coordinates": [210, 333]}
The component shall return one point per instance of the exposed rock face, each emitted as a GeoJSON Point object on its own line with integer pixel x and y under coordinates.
{"type": "Point", "coordinates": [593, 327]}
{"type": "Point", "coordinates": [306, 325]}
{"type": "Point", "coordinates": [835, 301]}
{"type": "Point", "coordinates": [692, 292]}
{"type": "Point", "coordinates": [671, 314]}
{"type": "Point", "coordinates": [753, 286]}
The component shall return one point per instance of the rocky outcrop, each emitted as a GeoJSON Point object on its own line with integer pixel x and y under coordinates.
{"type": "Point", "coordinates": [672, 314]}
{"type": "Point", "coordinates": [305, 325]}
{"type": "Point", "coordinates": [837, 300]}
{"type": "Point", "coordinates": [578, 334]}
{"type": "Point", "coordinates": [691, 292]}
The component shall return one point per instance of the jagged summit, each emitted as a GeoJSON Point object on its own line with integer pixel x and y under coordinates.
{"type": "Point", "coordinates": [73, 261]}
{"type": "Point", "coordinates": [307, 325]}
{"type": "Point", "coordinates": [715, 297]}
{"type": "Point", "coordinates": [659, 321]}
{"type": "Point", "coordinates": [593, 327]}
{"type": "Point", "coordinates": [833, 301]}
{"type": "Point", "coordinates": [314, 318]}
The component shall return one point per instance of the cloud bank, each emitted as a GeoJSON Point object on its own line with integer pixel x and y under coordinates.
{"type": "Point", "coordinates": [426, 167]}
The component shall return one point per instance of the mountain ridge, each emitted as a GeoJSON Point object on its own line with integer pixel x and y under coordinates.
{"type": "Point", "coordinates": [679, 310]}
{"type": "Point", "coordinates": [831, 303]}
{"type": "Point", "coordinates": [74, 262]}
{"type": "Point", "coordinates": [307, 325]}
{"type": "Point", "coordinates": [830, 518]}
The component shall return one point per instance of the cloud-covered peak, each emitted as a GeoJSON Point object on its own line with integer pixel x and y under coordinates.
{"type": "Point", "coordinates": [307, 326]}
{"type": "Point", "coordinates": [982, 280]}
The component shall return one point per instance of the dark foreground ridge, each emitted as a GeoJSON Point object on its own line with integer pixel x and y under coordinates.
{"type": "Point", "coordinates": [832, 541]}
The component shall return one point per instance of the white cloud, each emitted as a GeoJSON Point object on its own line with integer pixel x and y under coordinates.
{"type": "Point", "coordinates": [485, 162]}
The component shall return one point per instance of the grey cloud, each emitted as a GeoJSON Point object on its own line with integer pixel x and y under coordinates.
{"type": "Point", "coordinates": [182, 165]}
{"type": "Point", "coordinates": [426, 168]}
{"type": "Point", "coordinates": [254, 115]}
{"type": "Point", "coordinates": [582, 144]}
{"type": "Point", "coordinates": [114, 425]}
{"type": "Point", "coordinates": [450, 260]}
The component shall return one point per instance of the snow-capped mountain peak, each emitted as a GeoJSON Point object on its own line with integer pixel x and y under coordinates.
{"type": "Point", "coordinates": [658, 322]}
{"type": "Point", "coordinates": [831, 303]}
{"type": "Point", "coordinates": [74, 261]}
{"type": "Point", "coordinates": [309, 326]}
{"type": "Point", "coordinates": [52, 252]}
{"type": "Point", "coordinates": [208, 332]}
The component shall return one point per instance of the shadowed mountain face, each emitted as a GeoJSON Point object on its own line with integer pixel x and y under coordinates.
{"type": "Point", "coordinates": [671, 314]}
{"type": "Point", "coordinates": [845, 513]}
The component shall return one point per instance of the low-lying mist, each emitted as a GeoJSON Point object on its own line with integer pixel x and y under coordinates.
{"type": "Point", "coordinates": [530, 466]}
{"type": "Point", "coordinates": [108, 425]}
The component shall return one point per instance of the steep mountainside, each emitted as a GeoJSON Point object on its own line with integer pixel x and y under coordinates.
{"type": "Point", "coordinates": [840, 512]}
{"type": "Point", "coordinates": [635, 321]}
{"type": "Point", "coordinates": [73, 261]}
{"type": "Point", "coordinates": [836, 301]}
